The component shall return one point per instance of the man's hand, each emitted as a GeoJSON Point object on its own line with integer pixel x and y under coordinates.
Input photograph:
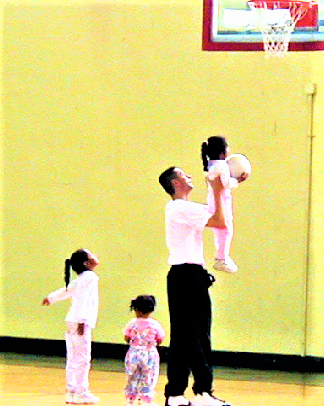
{"type": "Point", "coordinates": [217, 220]}
{"type": "Point", "coordinates": [216, 183]}
{"type": "Point", "coordinates": [80, 329]}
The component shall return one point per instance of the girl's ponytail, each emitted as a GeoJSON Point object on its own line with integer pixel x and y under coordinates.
{"type": "Point", "coordinates": [67, 272]}
{"type": "Point", "coordinates": [204, 155]}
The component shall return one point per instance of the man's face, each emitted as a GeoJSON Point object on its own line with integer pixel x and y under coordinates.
{"type": "Point", "coordinates": [184, 181]}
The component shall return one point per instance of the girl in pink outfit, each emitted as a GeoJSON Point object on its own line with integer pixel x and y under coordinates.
{"type": "Point", "coordinates": [80, 320]}
{"type": "Point", "coordinates": [214, 152]}
{"type": "Point", "coordinates": [142, 360]}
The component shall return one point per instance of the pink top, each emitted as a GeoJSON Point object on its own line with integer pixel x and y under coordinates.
{"type": "Point", "coordinates": [144, 332]}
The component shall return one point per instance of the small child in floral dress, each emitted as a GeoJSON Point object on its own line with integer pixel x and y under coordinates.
{"type": "Point", "coordinates": [142, 360]}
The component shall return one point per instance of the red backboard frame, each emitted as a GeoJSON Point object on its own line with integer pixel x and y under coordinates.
{"type": "Point", "coordinates": [209, 45]}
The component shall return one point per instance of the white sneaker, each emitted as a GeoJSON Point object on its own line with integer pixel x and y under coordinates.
{"type": "Point", "coordinates": [85, 398]}
{"type": "Point", "coordinates": [208, 400]}
{"type": "Point", "coordinates": [177, 401]}
{"type": "Point", "coordinates": [69, 398]}
{"type": "Point", "coordinates": [225, 265]}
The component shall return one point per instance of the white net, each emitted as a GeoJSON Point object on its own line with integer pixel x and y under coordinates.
{"type": "Point", "coordinates": [276, 39]}
{"type": "Point", "coordinates": [276, 21]}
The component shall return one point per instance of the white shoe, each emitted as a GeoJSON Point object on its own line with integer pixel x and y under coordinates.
{"type": "Point", "coordinates": [177, 401]}
{"type": "Point", "coordinates": [69, 398]}
{"type": "Point", "coordinates": [85, 398]}
{"type": "Point", "coordinates": [208, 400]}
{"type": "Point", "coordinates": [225, 265]}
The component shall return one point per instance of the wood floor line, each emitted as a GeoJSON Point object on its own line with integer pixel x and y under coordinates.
{"type": "Point", "coordinates": [31, 384]}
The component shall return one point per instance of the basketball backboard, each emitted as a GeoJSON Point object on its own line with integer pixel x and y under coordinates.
{"type": "Point", "coordinates": [232, 25]}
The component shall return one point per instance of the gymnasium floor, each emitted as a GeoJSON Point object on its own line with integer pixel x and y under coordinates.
{"type": "Point", "coordinates": [37, 380]}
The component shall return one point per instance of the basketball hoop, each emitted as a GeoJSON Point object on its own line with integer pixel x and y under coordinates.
{"type": "Point", "coordinates": [277, 20]}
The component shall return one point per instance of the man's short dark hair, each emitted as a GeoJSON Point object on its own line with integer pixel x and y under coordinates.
{"type": "Point", "coordinates": [166, 178]}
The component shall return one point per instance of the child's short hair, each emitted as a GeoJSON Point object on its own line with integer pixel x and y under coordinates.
{"type": "Point", "coordinates": [143, 303]}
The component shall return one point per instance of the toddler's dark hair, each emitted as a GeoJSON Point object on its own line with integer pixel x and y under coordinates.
{"type": "Point", "coordinates": [213, 148]}
{"type": "Point", "coordinates": [143, 303]}
{"type": "Point", "coordinates": [76, 262]}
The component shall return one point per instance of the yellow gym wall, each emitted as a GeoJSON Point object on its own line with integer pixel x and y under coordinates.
{"type": "Point", "coordinates": [315, 281]}
{"type": "Point", "coordinates": [2, 313]}
{"type": "Point", "coordinates": [98, 99]}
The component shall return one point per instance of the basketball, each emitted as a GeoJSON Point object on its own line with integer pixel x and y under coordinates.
{"type": "Point", "coordinates": [238, 164]}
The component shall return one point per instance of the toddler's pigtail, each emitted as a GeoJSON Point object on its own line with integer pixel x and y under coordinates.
{"type": "Point", "coordinates": [204, 155]}
{"type": "Point", "coordinates": [143, 303]}
{"type": "Point", "coordinates": [153, 301]}
{"type": "Point", "coordinates": [67, 272]}
{"type": "Point", "coordinates": [133, 304]}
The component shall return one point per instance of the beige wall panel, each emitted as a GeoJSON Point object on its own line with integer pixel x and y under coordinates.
{"type": "Point", "coordinates": [98, 100]}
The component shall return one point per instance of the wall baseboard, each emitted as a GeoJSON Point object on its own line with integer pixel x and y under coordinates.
{"type": "Point", "coordinates": [279, 362]}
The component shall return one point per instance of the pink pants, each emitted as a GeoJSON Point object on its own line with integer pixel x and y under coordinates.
{"type": "Point", "coordinates": [223, 236]}
{"type": "Point", "coordinates": [78, 357]}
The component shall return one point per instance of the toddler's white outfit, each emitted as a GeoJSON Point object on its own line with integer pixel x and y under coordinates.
{"type": "Point", "coordinates": [222, 237]}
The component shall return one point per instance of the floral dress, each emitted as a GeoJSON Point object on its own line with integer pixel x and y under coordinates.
{"type": "Point", "coordinates": [142, 360]}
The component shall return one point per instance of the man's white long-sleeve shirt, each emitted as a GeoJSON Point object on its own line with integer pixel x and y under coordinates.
{"type": "Point", "coordinates": [85, 298]}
